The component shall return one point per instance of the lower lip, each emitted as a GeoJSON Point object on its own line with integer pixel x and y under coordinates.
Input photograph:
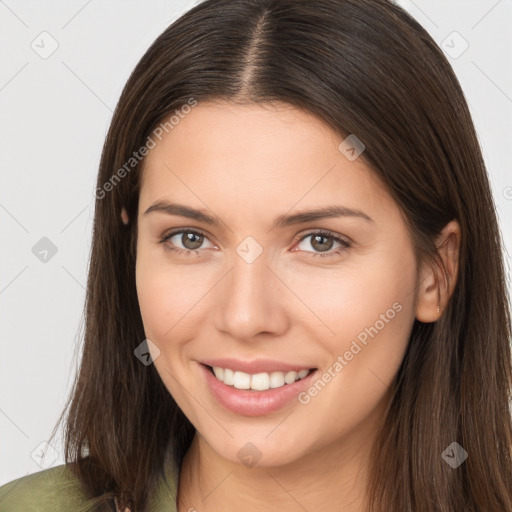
{"type": "Point", "coordinates": [250, 402]}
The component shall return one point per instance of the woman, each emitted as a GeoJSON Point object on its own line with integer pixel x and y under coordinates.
{"type": "Point", "coordinates": [296, 288]}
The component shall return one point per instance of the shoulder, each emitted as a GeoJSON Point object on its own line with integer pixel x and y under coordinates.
{"type": "Point", "coordinates": [58, 490]}
{"type": "Point", "coordinates": [55, 489]}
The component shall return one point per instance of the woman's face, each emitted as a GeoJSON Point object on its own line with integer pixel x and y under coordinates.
{"type": "Point", "coordinates": [249, 286]}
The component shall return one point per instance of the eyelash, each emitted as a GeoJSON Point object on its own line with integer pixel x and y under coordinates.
{"type": "Point", "coordinates": [188, 252]}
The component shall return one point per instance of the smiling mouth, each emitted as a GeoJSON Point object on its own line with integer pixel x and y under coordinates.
{"type": "Point", "coordinates": [260, 381]}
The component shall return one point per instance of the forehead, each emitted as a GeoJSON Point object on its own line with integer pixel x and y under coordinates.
{"type": "Point", "coordinates": [255, 156]}
{"type": "Point", "coordinates": [234, 132]}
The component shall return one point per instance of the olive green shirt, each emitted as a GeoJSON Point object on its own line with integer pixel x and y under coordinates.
{"type": "Point", "coordinates": [57, 490]}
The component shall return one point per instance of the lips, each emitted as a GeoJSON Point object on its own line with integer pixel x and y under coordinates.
{"type": "Point", "coordinates": [248, 402]}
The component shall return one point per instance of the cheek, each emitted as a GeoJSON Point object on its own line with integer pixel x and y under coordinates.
{"type": "Point", "coordinates": [169, 296]}
{"type": "Point", "coordinates": [353, 297]}
{"type": "Point", "coordinates": [152, 298]}
{"type": "Point", "coordinates": [371, 312]}
{"type": "Point", "coordinates": [154, 294]}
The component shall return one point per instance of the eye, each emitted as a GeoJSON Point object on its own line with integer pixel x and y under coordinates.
{"type": "Point", "coordinates": [324, 241]}
{"type": "Point", "coordinates": [190, 239]}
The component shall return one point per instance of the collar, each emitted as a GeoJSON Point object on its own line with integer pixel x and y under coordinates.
{"type": "Point", "coordinates": [165, 496]}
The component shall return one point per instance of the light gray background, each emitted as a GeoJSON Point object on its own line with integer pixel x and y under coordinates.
{"type": "Point", "coordinates": [54, 115]}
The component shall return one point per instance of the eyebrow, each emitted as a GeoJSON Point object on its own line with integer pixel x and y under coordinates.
{"type": "Point", "coordinates": [282, 221]}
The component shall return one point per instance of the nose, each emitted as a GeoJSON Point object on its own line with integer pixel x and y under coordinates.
{"type": "Point", "coordinates": [251, 301]}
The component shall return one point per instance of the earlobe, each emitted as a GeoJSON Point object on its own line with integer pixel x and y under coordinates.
{"type": "Point", "coordinates": [437, 282]}
{"type": "Point", "coordinates": [428, 301]}
{"type": "Point", "coordinates": [124, 216]}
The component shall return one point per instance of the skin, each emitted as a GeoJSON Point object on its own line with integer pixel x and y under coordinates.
{"type": "Point", "coordinates": [247, 165]}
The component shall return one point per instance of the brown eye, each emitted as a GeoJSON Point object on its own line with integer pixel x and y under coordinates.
{"type": "Point", "coordinates": [323, 242]}
{"type": "Point", "coordinates": [191, 240]}
{"type": "Point", "coordinates": [184, 241]}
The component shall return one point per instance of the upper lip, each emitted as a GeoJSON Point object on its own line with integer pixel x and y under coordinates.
{"type": "Point", "coordinates": [256, 365]}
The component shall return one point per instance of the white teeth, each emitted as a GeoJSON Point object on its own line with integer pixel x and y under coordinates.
{"type": "Point", "coordinates": [259, 381]}
{"type": "Point", "coordinates": [219, 372]}
{"type": "Point", "coordinates": [290, 377]}
{"type": "Point", "coordinates": [276, 379]}
{"type": "Point", "coordinates": [242, 380]}
{"type": "Point", "coordinates": [229, 376]}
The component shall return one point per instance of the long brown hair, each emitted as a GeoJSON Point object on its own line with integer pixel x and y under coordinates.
{"type": "Point", "coordinates": [364, 67]}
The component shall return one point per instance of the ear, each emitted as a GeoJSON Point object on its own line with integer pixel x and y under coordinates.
{"type": "Point", "coordinates": [436, 284]}
{"type": "Point", "coordinates": [124, 216]}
